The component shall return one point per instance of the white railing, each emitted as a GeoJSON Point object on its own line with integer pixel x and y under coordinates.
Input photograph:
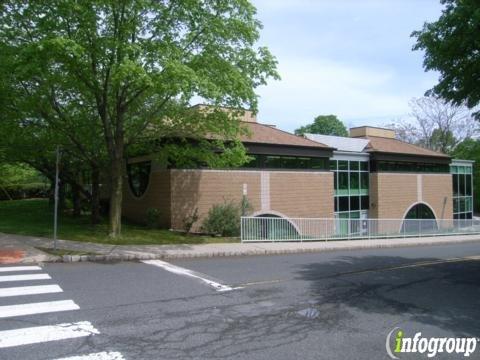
{"type": "Point", "coordinates": [272, 229]}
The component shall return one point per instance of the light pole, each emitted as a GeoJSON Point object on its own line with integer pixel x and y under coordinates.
{"type": "Point", "coordinates": [55, 214]}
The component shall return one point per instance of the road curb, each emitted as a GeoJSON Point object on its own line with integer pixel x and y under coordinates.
{"type": "Point", "coordinates": [191, 255]}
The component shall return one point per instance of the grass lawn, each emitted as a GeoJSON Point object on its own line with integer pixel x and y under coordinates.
{"type": "Point", "coordinates": [35, 217]}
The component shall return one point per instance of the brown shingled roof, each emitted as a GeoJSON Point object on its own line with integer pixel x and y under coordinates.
{"type": "Point", "coordinates": [394, 146]}
{"type": "Point", "coordinates": [264, 134]}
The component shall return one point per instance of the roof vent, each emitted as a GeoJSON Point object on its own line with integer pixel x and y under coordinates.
{"type": "Point", "coordinates": [363, 131]}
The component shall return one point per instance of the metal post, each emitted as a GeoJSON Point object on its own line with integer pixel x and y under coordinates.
{"type": "Point", "coordinates": [241, 229]}
{"type": "Point", "coordinates": [55, 214]}
{"type": "Point", "coordinates": [326, 228]}
{"type": "Point", "coordinates": [348, 229]}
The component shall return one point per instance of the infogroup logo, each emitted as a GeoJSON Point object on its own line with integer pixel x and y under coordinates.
{"type": "Point", "coordinates": [429, 346]}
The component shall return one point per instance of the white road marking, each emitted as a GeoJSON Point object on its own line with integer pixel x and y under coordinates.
{"type": "Point", "coordinates": [186, 272]}
{"type": "Point", "coordinates": [40, 334]}
{"type": "Point", "coordinates": [20, 268]}
{"type": "Point", "coordinates": [37, 308]}
{"type": "Point", "coordinates": [112, 355]}
{"type": "Point", "coordinates": [30, 290]}
{"type": "Point", "coordinates": [24, 277]}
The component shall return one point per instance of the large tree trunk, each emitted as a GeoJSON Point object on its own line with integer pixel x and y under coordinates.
{"type": "Point", "coordinates": [95, 200]}
{"type": "Point", "coordinates": [116, 193]}
{"type": "Point", "coordinates": [115, 144]}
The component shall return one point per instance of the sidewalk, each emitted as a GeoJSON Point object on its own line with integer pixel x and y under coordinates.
{"type": "Point", "coordinates": [14, 250]}
{"type": "Point", "coordinates": [104, 252]}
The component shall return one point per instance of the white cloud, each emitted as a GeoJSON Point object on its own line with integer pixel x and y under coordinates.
{"type": "Point", "coordinates": [314, 87]}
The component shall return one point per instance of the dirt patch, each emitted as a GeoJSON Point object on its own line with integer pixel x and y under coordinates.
{"type": "Point", "coordinates": [11, 256]}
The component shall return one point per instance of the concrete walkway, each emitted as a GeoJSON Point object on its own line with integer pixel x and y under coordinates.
{"type": "Point", "coordinates": [14, 250]}
{"type": "Point", "coordinates": [141, 252]}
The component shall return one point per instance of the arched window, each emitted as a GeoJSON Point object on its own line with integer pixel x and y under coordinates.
{"type": "Point", "coordinates": [420, 219]}
{"type": "Point", "coordinates": [420, 211]}
{"type": "Point", "coordinates": [270, 226]}
{"type": "Point", "coordinates": [138, 177]}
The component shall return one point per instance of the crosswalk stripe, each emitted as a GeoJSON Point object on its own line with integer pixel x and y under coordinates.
{"type": "Point", "coordinates": [20, 268]}
{"type": "Point", "coordinates": [40, 334]}
{"type": "Point", "coordinates": [112, 355]}
{"type": "Point", "coordinates": [24, 277]}
{"type": "Point", "coordinates": [190, 273]}
{"type": "Point", "coordinates": [37, 308]}
{"type": "Point", "coordinates": [30, 290]}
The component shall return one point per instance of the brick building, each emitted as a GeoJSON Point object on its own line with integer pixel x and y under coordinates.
{"type": "Point", "coordinates": [367, 175]}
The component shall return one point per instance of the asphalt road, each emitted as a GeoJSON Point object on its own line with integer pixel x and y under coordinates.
{"type": "Point", "coordinates": [338, 305]}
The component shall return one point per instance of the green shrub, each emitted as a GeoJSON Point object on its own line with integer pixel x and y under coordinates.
{"type": "Point", "coordinates": [153, 218]}
{"type": "Point", "coordinates": [223, 219]}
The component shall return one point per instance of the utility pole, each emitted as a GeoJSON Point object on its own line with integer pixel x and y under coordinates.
{"type": "Point", "coordinates": [55, 215]}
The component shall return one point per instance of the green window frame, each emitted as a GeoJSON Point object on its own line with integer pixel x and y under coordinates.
{"type": "Point", "coordinates": [354, 183]}
{"type": "Point", "coordinates": [351, 183]}
{"type": "Point", "coordinates": [462, 191]}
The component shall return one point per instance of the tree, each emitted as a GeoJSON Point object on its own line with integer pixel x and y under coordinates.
{"type": "Point", "coordinates": [33, 142]}
{"type": "Point", "coordinates": [19, 178]}
{"type": "Point", "coordinates": [452, 48]}
{"type": "Point", "coordinates": [131, 68]}
{"type": "Point", "coordinates": [437, 124]}
{"type": "Point", "coordinates": [469, 149]}
{"type": "Point", "coordinates": [325, 125]}
{"type": "Point", "coordinates": [404, 131]}
{"type": "Point", "coordinates": [30, 132]}
{"type": "Point", "coordinates": [443, 141]}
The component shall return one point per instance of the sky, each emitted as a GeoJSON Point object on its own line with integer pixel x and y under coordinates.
{"type": "Point", "coordinates": [350, 58]}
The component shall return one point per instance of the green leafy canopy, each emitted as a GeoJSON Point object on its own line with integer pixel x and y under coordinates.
{"type": "Point", "coordinates": [130, 64]}
{"type": "Point", "coordinates": [325, 125]}
{"type": "Point", "coordinates": [452, 47]}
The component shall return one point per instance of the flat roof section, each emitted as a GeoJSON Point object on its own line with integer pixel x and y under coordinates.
{"type": "Point", "coordinates": [340, 143]}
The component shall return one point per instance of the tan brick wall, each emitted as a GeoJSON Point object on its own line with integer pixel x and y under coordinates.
{"type": "Point", "coordinates": [372, 131]}
{"type": "Point", "coordinates": [391, 195]}
{"type": "Point", "coordinates": [437, 191]}
{"type": "Point", "coordinates": [302, 194]}
{"type": "Point", "coordinates": [293, 194]}
{"type": "Point", "coordinates": [202, 189]}
{"type": "Point", "coordinates": [156, 196]}
{"type": "Point", "coordinates": [176, 193]}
